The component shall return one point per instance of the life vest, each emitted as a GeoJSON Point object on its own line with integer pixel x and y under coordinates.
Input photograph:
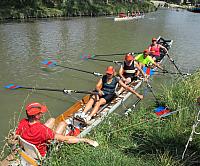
{"type": "Point", "coordinates": [109, 88]}
{"type": "Point", "coordinates": [129, 71]}
{"type": "Point", "coordinates": [155, 50]}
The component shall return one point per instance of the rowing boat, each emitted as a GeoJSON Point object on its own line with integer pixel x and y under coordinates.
{"type": "Point", "coordinates": [128, 18]}
{"type": "Point", "coordinates": [69, 115]}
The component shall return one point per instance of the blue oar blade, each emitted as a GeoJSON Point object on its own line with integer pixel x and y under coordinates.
{"type": "Point", "coordinates": [12, 86]}
{"type": "Point", "coordinates": [49, 63]}
{"type": "Point", "coordinates": [148, 71]}
{"type": "Point", "coordinates": [160, 111]}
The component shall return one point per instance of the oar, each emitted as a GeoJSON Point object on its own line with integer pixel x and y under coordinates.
{"type": "Point", "coordinates": [51, 63]}
{"type": "Point", "coordinates": [112, 54]}
{"type": "Point", "coordinates": [167, 72]}
{"type": "Point", "coordinates": [103, 60]}
{"type": "Point", "coordinates": [174, 64]}
{"type": "Point", "coordinates": [132, 107]}
{"type": "Point", "coordinates": [66, 91]}
{"type": "Point", "coordinates": [150, 88]}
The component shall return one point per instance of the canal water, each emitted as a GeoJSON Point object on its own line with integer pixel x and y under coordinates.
{"type": "Point", "coordinates": [23, 45]}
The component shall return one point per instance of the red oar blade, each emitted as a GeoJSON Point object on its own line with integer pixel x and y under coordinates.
{"type": "Point", "coordinates": [148, 71]}
{"type": "Point", "coordinates": [49, 63]}
{"type": "Point", "coordinates": [86, 56]}
{"type": "Point", "coordinates": [12, 86]}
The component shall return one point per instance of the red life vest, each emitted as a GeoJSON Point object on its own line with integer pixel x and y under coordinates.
{"type": "Point", "coordinates": [155, 50]}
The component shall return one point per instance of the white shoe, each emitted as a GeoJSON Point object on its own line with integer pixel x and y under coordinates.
{"type": "Point", "coordinates": [80, 115]}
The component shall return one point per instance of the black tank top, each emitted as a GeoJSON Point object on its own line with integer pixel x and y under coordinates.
{"type": "Point", "coordinates": [129, 71]}
{"type": "Point", "coordinates": [109, 88]}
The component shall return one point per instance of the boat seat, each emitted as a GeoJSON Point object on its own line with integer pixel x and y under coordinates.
{"type": "Point", "coordinates": [29, 154]}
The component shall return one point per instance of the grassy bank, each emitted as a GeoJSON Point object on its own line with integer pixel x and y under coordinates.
{"type": "Point", "coordinates": [142, 139]}
{"type": "Point", "coordinates": [9, 11]}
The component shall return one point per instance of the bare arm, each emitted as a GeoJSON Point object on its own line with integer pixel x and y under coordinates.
{"type": "Point", "coordinates": [157, 65]}
{"type": "Point", "coordinates": [98, 86]}
{"type": "Point", "coordinates": [130, 89]}
{"type": "Point", "coordinates": [73, 140]}
{"type": "Point", "coordinates": [164, 48]}
{"type": "Point", "coordinates": [139, 68]}
{"type": "Point", "coordinates": [121, 71]}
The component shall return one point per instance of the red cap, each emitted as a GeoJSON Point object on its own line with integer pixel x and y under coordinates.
{"type": "Point", "coordinates": [154, 39]}
{"type": "Point", "coordinates": [35, 108]}
{"type": "Point", "coordinates": [146, 51]}
{"type": "Point", "coordinates": [129, 57]}
{"type": "Point", "coordinates": [110, 70]}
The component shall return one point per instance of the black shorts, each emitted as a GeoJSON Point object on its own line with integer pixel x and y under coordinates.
{"type": "Point", "coordinates": [158, 58]}
{"type": "Point", "coordinates": [108, 97]}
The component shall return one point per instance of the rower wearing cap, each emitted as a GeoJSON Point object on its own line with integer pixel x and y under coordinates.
{"type": "Point", "coordinates": [130, 69]}
{"type": "Point", "coordinates": [38, 134]}
{"type": "Point", "coordinates": [154, 50]}
{"type": "Point", "coordinates": [145, 60]}
{"type": "Point", "coordinates": [106, 87]}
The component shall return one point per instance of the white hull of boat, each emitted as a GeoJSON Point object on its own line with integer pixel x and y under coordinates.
{"type": "Point", "coordinates": [127, 18]}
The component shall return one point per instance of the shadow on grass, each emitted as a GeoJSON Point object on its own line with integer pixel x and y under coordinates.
{"type": "Point", "coordinates": [153, 145]}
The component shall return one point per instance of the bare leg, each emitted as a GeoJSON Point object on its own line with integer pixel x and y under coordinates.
{"type": "Point", "coordinates": [90, 103]}
{"type": "Point", "coordinates": [127, 81]}
{"type": "Point", "coordinates": [50, 123]}
{"type": "Point", "coordinates": [61, 127]}
{"type": "Point", "coordinates": [97, 106]}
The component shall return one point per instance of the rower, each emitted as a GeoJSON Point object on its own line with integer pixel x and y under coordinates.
{"type": "Point", "coordinates": [130, 69]}
{"type": "Point", "coordinates": [106, 93]}
{"type": "Point", "coordinates": [154, 50]}
{"type": "Point", "coordinates": [145, 60]}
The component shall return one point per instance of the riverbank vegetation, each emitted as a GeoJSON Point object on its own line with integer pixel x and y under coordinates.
{"type": "Point", "coordinates": [22, 9]}
{"type": "Point", "coordinates": [143, 139]}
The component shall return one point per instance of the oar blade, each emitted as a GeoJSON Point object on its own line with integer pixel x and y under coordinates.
{"type": "Point", "coordinates": [161, 111]}
{"type": "Point", "coordinates": [49, 63]}
{"type": "Point", "coordinates": [12, 86]}
{"type": "Point", "coordinates": [148, 71]}
{"type": "Point", "coordinates": [87, 56]}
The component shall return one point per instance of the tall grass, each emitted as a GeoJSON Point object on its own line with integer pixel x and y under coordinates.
{"type": "Point", "coordinates": [142, 138]}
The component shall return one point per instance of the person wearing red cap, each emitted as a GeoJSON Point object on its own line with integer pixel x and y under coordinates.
{"type": "Point", "coordinates": [38, 134]}
{"type": "Point", "coordinates": [105, 87]}
{"type": "Point", "coordinates": [145, 60]}
{"type": "Point", "coordinates": [154, 50]}
{"type": "Point", "coordinates": [129, 70]}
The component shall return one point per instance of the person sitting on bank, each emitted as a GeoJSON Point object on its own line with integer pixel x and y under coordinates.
{"type": "Point", "coordinates": [154, 50]}
{"type": "Point", "coordinates": [105, 87]}
{"type": "Point", "coordinates": [145, 59]}
{"type": "Point", "coordinates": [38, 134]}
{"type": "Point", "coordinates": [130, 70]}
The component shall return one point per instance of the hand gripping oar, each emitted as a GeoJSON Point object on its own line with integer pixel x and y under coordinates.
{"type": "Point", "coordinates": [174, 64]}
{"type": "Point", "coordinates": [66, 91]}
{"type": "Point", "coordinates": [51, 63]}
